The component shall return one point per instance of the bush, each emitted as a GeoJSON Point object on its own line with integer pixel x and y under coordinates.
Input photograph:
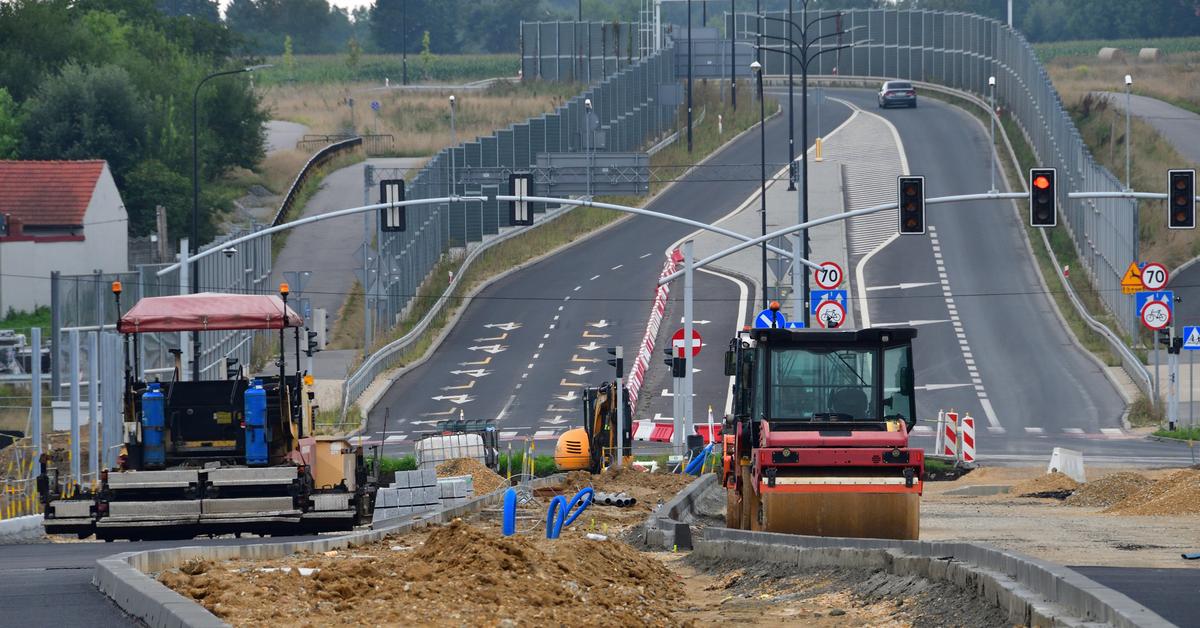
{"type": "Point", "coordinates": [392, 465]}
{"type": "Point", "coordinates": [542, 465]}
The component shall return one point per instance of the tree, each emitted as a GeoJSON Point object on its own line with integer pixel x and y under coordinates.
{"type": "Point", "coordinates": [10, 126]}
{"type": "Point", "coordinates": [201, 9]}
{"type": "Point", "coordinates": [426, 55]}
{"type": "Point", "coordinates": [390, 18]}
{"type": "Point", "coordinates": [86, 113]}
{"type": "Point", "coordinates": [353, 54]}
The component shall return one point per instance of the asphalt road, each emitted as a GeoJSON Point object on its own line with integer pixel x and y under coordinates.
{"type": "Point", "coordinates": [1172, 593]}
{"type": "Point", "coordinates": [989, 342]}
{"type": "Point", "coordinates": [50, 584]}
{"type": "Point", "coordinates": [517, 353]}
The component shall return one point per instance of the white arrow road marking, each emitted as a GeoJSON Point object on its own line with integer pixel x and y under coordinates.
{"type": "Point", "coordinates": [932, 387]}
{"type": "Point", "coordinates": [564, 382]}
{"type": "Point", "coordinates": [552, 409]}
{"type": "Point", "coordinates": [591, 346]}
{"type": "Point", "coordinates": [455, 399]}
{"type": "Point", "coordinates": [557, 420]}
{"type": "Point", "coordinates": [482, 362]}
{"type": "Point", "coordinates": [570, 396]}
{"type": "Point", "coordinates": [681, 322]}
{"type": "Point", "coordinates": [445, 413]}
{"type": "Point", "coordinates": [474, 373]}
{"type": "Point", "coordinates": [579, 371]}
{"type": "Point", "coordinates": [588, 334]}
{"type": "Point", "coordinates": [600, 324]}
{"type": "Point", "coordinates": [902, 286]}
{"type": "Point", "coordinates": [493, 349]}
{"type": "Point", "coordinates": [505, 326]}
{"type": "Point", "coordinates": [575, 358]}
{"type": "Point", "coordinates": [908, 323]}
{"type": "Point", "coordinates": [467, 386]}
{"type": "Point", "coordinates": [503, 336]}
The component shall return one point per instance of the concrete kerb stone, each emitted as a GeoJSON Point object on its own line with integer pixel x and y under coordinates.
{"type": "Point", "coordinates": [124, 577]}
{"type": "Point", "coordinates": [667, 527]}
{"type": "Point", "coordinates": [1031, 591]}
{"type": "Point", "coordinates": [20, 529]}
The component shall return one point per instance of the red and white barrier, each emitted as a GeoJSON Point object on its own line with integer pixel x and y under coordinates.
{"type": "Point", "coordinates": [968, 439]}
{"type": "Point", "coordinates": [950, 435]}
{"type": "Point", "coordinates": [662, 431]}
{"type": "Point", "coordinates": [637, 374]}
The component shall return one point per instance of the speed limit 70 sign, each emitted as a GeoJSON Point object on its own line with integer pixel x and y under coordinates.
{"type": "Point", "coordinates": [829, 276]}
{"type": "Point", "coordinates": [1154, 277]}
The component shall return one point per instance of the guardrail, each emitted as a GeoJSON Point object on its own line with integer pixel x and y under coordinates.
{"type": "Point", "coordinates": [373, 143]}
{"type": "Point", "coordinates": [322, 157]}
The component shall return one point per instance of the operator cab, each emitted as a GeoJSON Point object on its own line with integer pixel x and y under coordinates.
{"type": "Point", "coordinates": [831, 381]}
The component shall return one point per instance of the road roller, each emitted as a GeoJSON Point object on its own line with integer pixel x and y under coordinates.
{"type": "Point", "coordinates": [817, 441]}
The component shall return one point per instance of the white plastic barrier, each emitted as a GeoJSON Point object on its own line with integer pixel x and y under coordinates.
{"type": "Point", "coordinates": [1068, 462]}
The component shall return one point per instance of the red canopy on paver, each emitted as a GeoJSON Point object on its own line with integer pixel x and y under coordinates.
{"type": "Point", "coordinates": [208, 311]}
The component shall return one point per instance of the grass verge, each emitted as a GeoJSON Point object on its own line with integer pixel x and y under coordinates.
{"type": "Point", "coordinates": [334, 68]}
{"type": "Point", "coordinates": [1184, 433]}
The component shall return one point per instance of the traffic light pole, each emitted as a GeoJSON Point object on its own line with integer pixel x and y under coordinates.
{"type": "Point", "coordinates": [688, 286]}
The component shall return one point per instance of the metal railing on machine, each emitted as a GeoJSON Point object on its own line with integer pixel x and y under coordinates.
{"type": "Point", "coordinates": [961, 51]}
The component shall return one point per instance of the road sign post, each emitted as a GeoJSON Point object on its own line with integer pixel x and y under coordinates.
{"type": "Point", "coordinates": [689, 261]}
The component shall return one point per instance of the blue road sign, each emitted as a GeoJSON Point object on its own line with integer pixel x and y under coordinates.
{"type": "Point", "coordinates": [1191, 337]}
{"type": "Point", "coordinates": [375, 105]}
{"type": "Point", "coordinates": [1166, 296]}
{"type": "Point", "coordinates": [817, 297]}
{"type": "Point", "coordinates": [765, 317]}
{"type": "Point", "coordinates": [795, 324]}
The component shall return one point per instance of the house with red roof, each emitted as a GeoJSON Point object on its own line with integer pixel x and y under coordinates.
{"type": "Point", "coordinates": [57, 215]}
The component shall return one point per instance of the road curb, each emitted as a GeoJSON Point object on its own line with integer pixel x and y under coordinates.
{"type": "Point", "coordinates": [21, 529]}
{"type": "Point", "coordinates": [1164, 439]}
{"type": "Point", "coordinates": [124, 577]}
{"type": "Point", "coordinates": [1033, 592]}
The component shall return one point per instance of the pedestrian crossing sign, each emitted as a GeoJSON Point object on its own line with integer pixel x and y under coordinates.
{"type": "Point", "coordinates": [1191, 338]}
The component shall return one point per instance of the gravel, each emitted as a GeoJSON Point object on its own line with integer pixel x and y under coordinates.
{"type": "Point", "coordinates": [1109, 490]}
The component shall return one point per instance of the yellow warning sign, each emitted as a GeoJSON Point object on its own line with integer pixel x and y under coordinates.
{"type": "Point", "coordinates": [1131, 283]}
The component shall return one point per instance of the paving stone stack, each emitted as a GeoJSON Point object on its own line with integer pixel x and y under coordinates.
{"type": "Point", "coordinates": [413, 492]}
{"type": "Point", "coordinates": [456, 490]}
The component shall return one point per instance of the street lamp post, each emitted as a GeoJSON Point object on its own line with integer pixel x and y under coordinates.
{"type": "Point", "coordinates": [587, 139]}
{"type": "Point", "coordinates": [791, 112]}
{"type": "Point", "coordinates": [733, 53]}
{"type": "Point", "coordinates": [453, 146]}
{"type": "Point", "coordinates": [689, 94]}
{"type": "Point", "coordinates": [1128, 138]}
{"type": "Point", "coordinates": [757, 69]}
{"type": "Point", "coordinates": [404, 41]}
{"type": "Point", "coordinates": [800, 285]}
{"type": "Point", "coordinates": [992, 120]}
{"type": "Point", "coordinates": [195, 241]}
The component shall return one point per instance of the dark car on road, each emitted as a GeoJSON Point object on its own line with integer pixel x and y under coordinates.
{"type": "Point", "coordinates": [897, 93]}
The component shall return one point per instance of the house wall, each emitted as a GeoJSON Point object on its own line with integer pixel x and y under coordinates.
{"type": "Point", "coordinates": [25, 265]}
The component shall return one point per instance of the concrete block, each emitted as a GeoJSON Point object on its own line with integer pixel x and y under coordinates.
{"type": "Point", "coordinates": [428, 477]}
{"type": "Point", "coordinates": [404, 497]}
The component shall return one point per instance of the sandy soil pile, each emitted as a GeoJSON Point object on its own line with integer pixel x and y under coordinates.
{"type": "Point", "coordinates": [485, 480]}
{"type": "Point", "coordinates": [460, 575]}
{"type": "Point", "coordinates": [1176, 494]}
{"type": "Point", "coordinates": [1109, 490]}
{"type": "Point", "coordinates": [1048, 483]}
{"type": "Point", "coordinates": [650, 490]}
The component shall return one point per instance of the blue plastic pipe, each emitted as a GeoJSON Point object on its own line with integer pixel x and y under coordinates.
{"type": "Point", "coordinates": [697, 463]}
{"type": "Point", "coordinates": [509, 523]}
{"type": "Point", "coordinates": [554, 524]}
{"type": "Point", "coordinates": [579, 503]}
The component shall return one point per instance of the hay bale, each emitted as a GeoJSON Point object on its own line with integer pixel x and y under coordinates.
{"type": "Point", "coordinates": [1150, 55]}
{"type": "Point", "coordinates": [1111, 54]}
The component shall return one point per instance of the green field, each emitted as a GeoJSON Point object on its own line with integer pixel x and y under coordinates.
{"type": "Point", "coordinates": [1091, 48]}
{"type": "Point", "coordinates": [328, 69]}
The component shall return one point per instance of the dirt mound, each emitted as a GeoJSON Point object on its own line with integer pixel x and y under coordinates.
{"type": "Point", "coordinates": [1109, 489]}
{"type": "Point", "coordinates": [461, 575]}
{"type": "Point", "coordinates": [1049, 483]}
{"type": "Point", "coordinates": [1176, 494]}
{"type": "Point", "coordinates": [614, 480]}
{"type": "Point", "coordinates": [485, 480]}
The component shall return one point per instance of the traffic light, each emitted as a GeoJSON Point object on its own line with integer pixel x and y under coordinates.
{"type": "Point", "coordinates": [519, 212]}
{"type": "Point", "coordinates": [1181, 199]}
{"type": "Point", "coordinates": [1043, 204]}
{"type": "Point", "coordinates": [391, 218]}
{"type": "Point", "coordinates": [912, 204]}
{"type": "Point", "coordinates": [312, 343]}
{"type": "Point", "coordinates": [618, 361]}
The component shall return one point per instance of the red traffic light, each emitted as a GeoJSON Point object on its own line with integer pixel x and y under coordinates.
{"type": "Point", "coordinates": [1041, 182]}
